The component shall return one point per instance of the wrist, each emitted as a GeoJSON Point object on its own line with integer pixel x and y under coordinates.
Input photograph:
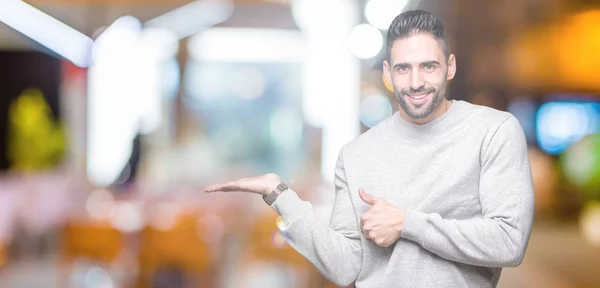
{"type": "Point", "coordinates": [400, 222]}
{"type": "Point", "coordinates": [272, 181]}
{"type": "Point", "coordinates": [270, 187]}
{"type": "Point", "coordinates": [274, 194]}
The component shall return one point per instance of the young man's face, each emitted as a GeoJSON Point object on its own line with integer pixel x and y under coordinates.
{"type": "Point", "coordinates": [418, 70]}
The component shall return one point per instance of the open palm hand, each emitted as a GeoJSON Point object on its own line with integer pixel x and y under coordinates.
{"type": "Point", "coordinates": [262, 185]}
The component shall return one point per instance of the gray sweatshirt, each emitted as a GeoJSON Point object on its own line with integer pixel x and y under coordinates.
{"type": "Point", "coordinates": [465, 181]}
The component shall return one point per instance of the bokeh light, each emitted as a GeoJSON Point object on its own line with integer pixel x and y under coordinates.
{"type": "Point", "coordinates": [560, 124]}
{"type": "Point", "coordinates": [581, 162]}
{"type": "Point", "coordinates": [97, 277]}
{"type": "Point", "coordinates": [373, 109]}
{"type": "Point", "coordinates": [278, 239]}
{"type": "Point", "coordinates": [281, 223]}
{"type": "Point", "coordinates": [100, 204]}
{"type": "Point", "coordinates": [589, 223]}
{"type": "Point", "coordinates": [128, 217]}
{"type": "Point", "coordinates": [365, 41]}
{"type": "Point", "coordinates": [164, 216]}
{"type": "Point", "coordinates": [314, 15]}
{"type": "Point", "coordinates": [381, 13]}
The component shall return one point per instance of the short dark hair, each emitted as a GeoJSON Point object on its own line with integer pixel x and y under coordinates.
{"type": "Point", "coordinates": [414, 22]}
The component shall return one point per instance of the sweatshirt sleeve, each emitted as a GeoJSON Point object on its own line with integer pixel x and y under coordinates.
{"type": "Point", "coordinates": [335, 250]}
{"type": "Point", "coordinates": [500, 237]}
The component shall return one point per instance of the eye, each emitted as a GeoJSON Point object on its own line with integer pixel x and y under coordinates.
{"type": "Point", "coordinates": [429, 67]}
{"type": "Point", "coordinates": [402, 68]}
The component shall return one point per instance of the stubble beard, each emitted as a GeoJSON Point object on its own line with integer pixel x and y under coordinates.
{"type": "Point", "coordinates": [438, 97]}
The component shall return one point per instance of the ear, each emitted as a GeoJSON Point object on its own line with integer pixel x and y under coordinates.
{"type": "Point", "coordinates": [451, 67]}
{"type": "Point", "coordinates": [387, 71]}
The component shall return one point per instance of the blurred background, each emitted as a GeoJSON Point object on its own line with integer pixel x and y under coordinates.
{"type": "Point", "coordinates": [114, 115]}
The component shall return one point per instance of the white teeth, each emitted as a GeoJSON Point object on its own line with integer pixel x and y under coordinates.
{"type": "Point", "coordinates": [418, 97]}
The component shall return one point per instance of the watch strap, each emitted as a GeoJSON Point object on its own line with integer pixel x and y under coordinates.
{"type": "Point", "coordinates": [271, 197]}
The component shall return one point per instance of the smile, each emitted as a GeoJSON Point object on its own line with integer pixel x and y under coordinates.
{"type": "Point", "coordinates": [418, 96]}
{"type": "Point", "coordinates": [418, 99]}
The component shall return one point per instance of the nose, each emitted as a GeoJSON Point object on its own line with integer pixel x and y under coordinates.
{"type": "Point", "coordinates": [416, 80]}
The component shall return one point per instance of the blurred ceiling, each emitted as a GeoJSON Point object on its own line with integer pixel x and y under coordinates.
{"type": "Point", "coordinates": [476, 30]}
{"type": "Point", "coordinates": [87, 16]}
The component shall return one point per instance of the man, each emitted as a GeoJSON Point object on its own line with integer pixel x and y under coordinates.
{"type": "Point", "coordinates": [438, 195]}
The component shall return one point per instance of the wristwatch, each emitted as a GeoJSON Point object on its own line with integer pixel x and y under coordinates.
{"type": "Point", "coordinates": [269, 199]}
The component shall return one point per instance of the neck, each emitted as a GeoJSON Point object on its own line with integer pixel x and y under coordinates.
{"type": "Point", "coordinates": [439, 111]}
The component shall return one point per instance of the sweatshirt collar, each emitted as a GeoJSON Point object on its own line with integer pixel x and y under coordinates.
{"type": "Point", "coordinates": [432, 128]}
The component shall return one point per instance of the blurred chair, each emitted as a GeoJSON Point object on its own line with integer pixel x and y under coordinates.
{"type": "Point", "coordinates": [3, 255]}
{"type": "Point", "coordinates": [96, 241]}
{"type": "Point", "coordinates": [267, 244]}
{"type": "Point", "coordinates": [177, 250]}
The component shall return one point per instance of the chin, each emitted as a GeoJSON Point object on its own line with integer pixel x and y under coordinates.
{"type": "Point", "coordinates": [419, 115]}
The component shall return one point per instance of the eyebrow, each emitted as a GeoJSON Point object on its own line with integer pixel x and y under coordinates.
{"type": "Point", "coordinates": [432, 62]}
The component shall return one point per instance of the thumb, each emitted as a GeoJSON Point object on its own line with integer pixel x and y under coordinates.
{"type": "Point", "coordinates": [366, 197]}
